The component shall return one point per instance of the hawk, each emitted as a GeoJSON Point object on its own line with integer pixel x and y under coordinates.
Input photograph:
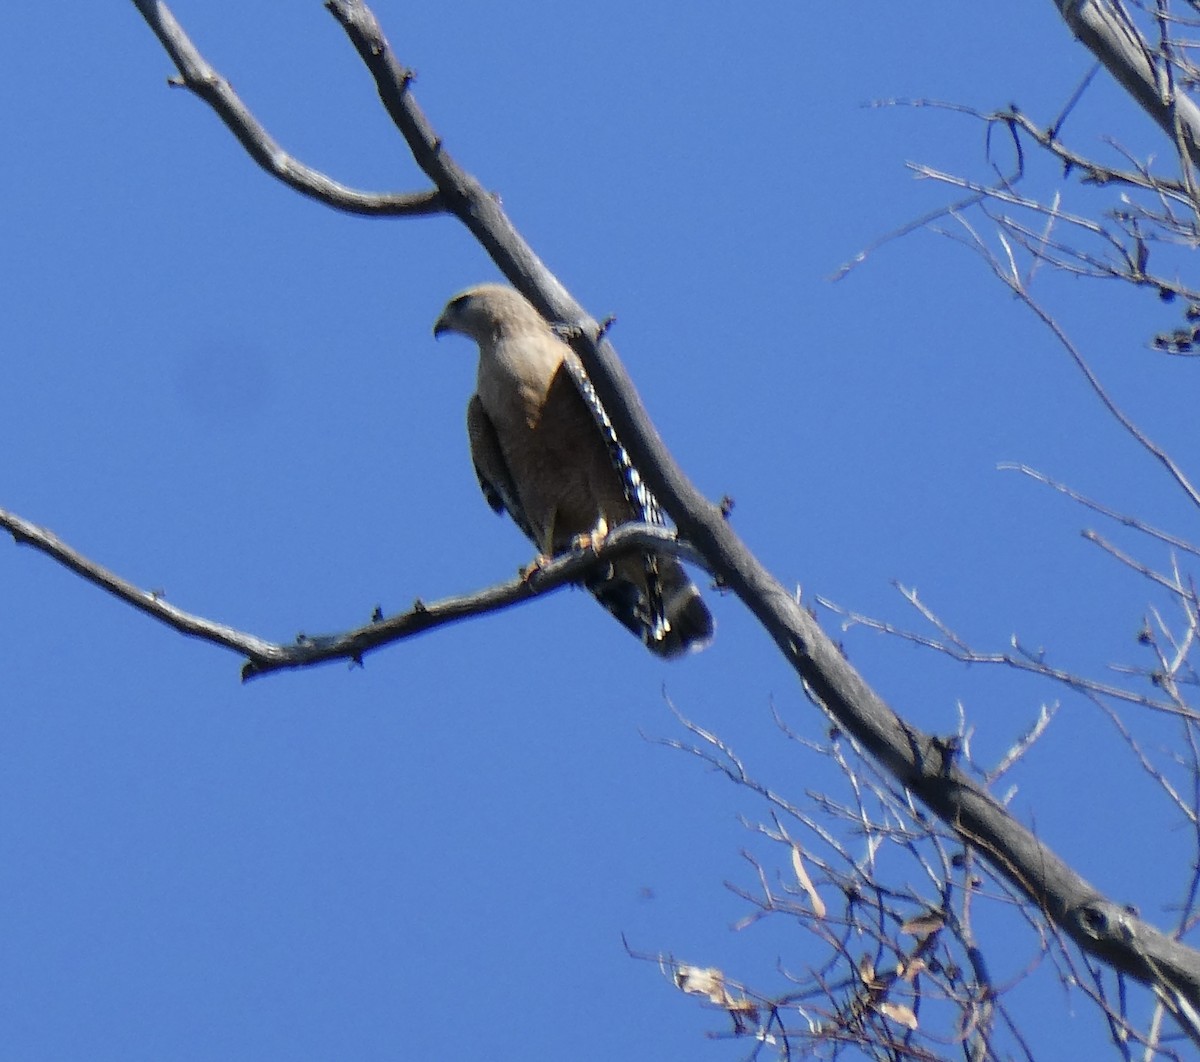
{"type": "Point", "coordinates": [545, 452]}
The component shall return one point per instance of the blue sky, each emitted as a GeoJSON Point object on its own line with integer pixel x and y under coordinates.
{"type": "Point", "coordinates": [228, 392]}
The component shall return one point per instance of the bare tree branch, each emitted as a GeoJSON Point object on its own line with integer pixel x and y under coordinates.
{"type": "Point", "coordinates": [1105, 28]}
{"type": "Point", "coordinates": [199, 77]}
{"type": "Point", "coordinates": [887, 895]}
{"type": "Point", "coordinates": [1122, 518]}
{"type": "Point", "coordinates": [1010, 276]}
{"type": "Point", "coordinates": [263, 657]}
{"type": "Point", "coordinates": [1115, 246]}
{"type": "Point", "coordinates": [1020, 659]}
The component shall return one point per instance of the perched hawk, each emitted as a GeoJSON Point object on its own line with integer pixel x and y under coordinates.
{"type": "Point", "coordinates": [544, 450]}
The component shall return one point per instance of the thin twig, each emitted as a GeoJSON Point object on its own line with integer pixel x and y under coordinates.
{"type": "Point", "coordinates": [1113, 514]}
{"type": "Point", "coordinates": [1019, 661]}
{"type": "Point", "coordinates": [1014, 284]}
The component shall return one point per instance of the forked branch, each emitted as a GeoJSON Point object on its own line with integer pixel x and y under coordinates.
{"type": "Point", "coordinates": [198, 76]}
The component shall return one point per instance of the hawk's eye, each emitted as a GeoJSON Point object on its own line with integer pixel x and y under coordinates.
{"type": "Point", "coordinates": [458, 303]}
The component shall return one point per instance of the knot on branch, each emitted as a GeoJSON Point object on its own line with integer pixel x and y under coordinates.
{"type": "Point", "coordinates": [1103, 922]}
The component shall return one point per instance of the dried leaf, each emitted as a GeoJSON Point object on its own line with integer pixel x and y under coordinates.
{"type": "Point", "coordinates": [906, 971]}
{"type": "Point", "coordinates": [704, 981]}
{"type": "Point", "coordinates": [814, 898]}
{"type": "Point", "coordinates": [923, 925]}
{"type": "Point", "coordinates": [866, 971]}
{"type": "Point", "coordinates": [709, 982]}
{"type": "Point", "coordinates": [899, 1013]}
{"type": "Point", "coordinates": [744, 1014]}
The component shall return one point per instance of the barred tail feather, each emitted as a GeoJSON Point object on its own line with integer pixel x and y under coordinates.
{"type": "Point", "coordinates": [653, 598]}
{"type": "Point", "coordinates": [690, 624]}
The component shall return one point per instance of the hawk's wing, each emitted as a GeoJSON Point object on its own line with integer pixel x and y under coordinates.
{"type": "Point", "coordinates": [643, 503]}
{"type": "Point", "coordinates": [491, 469]}
{"type": "Point", "coordinates": [662, 607]}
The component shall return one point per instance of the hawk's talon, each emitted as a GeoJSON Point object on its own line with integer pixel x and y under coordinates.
{"type": "Point", "coordinates": [531, 569]}
{"type": "Point", "coordinates": [592, 540]}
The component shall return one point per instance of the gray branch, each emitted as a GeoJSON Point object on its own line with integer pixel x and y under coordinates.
{"type": "Point", "coordinates": [1106, 30]}
{"type": "Point", "coordinates": [198, 76]}
{"type": "Point", "coordinates": [263, 657]}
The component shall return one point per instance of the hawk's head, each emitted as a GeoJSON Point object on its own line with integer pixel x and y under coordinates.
{"type": "Point", "coordinates": [486, 311]}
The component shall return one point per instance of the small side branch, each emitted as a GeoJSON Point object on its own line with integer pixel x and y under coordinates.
{"type": "Point", "coordinates": [263, 657]}
{"type": "Point", "coordinates": [1007, 273]}
{"type": "Point", "coordinates": [199, 77]}
{"type": "Point", "coordinates": [1019, 659]}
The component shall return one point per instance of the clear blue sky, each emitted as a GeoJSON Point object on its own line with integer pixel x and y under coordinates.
{"type": "Point", "coordinates": [230, 393]}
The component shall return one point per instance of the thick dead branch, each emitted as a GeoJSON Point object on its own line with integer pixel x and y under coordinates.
{"type": "Point", "coordinates": [263, 657]}
{"type": "Point", "coordinates": [1106, 30]}
{"type": "Point", "coordinates": [926, 766]}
